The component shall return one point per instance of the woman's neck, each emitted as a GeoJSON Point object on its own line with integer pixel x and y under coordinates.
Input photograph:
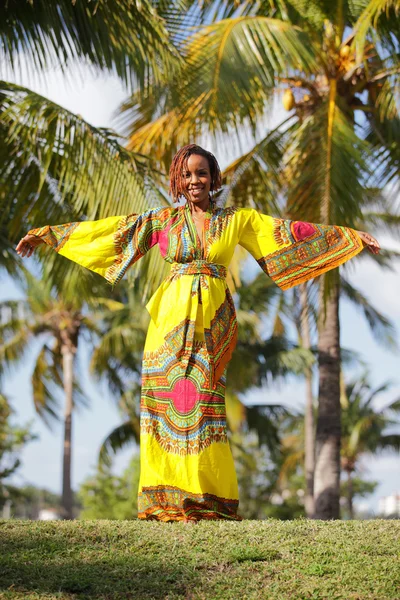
{"type": "Point", "coordinates": [199, 208]}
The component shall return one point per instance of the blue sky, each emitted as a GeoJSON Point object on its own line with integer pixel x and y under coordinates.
{"type": "Point", "coordinates": [96, 99]}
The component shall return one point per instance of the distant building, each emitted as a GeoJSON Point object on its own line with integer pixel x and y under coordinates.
{"type": "Point", "coordinates": [389, 506]}
{"type": "Point", "coordinates": [49, 514]}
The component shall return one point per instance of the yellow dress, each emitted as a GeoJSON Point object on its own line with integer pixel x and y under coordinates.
{"type": "Point", "coordinates": [187, 470]}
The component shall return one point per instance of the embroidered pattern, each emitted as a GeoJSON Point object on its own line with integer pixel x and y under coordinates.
{"type": "Point", "coordinates": [219, 222]}
{"type": "Point", "coordinates": [55, 236]}
{"type": "Point", "coordinates": [178, 409]}
{"type": "Point", "coordinates": [221, 337]}
{"type": "Point", "coordinates": [287, 232]}
{"type": "Point", "coordinates": [135, 235]}
{"type": "Point", "coordinates": [174, 504]}
{"type": "Point", "coordinates": [180, 338]}
{"type": "Point", "coordinates": [327, 248]}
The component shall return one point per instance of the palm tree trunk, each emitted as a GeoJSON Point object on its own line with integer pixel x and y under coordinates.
{"type": "Point", "coordinates": [327, 468]}
{"type": "Point", "coordinates": [68, 376]}
{"type": "Point", "coordinates": [309, 415]}
{"type": "Point", "coordinates": [350, 494]}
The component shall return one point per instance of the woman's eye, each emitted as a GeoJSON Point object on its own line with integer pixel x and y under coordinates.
{"type": "Point", "coordinates": [199, 173]}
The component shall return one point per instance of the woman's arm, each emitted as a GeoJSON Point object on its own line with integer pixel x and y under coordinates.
{"type": "Point", "coordinates": [292, 252]}
{"type": "Point", "coordinates": [106, 246]}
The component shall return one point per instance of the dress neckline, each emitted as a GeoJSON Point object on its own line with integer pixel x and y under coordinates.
{"type": "Point", "coordinates": [200, 244]}
{"type": "Point", "coordinates": [210, 209]}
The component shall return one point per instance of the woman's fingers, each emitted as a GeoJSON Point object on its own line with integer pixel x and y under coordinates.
{"type": "Point", "coordinates": [19, 246]}
{"type": "Point", "coordinates": [372, 243]}
{"type": "Point", "coordinates": [26, 246]}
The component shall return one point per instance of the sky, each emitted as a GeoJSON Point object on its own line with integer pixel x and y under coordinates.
{"type": "Point", "coordinates": [97, 98]}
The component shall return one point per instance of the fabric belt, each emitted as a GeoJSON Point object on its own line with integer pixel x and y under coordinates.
{"type": "Point", "coordinates": [199, 267]}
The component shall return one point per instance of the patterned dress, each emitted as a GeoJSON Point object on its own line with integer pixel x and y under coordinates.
{"type": "Point", "coordinates": [187, 470]}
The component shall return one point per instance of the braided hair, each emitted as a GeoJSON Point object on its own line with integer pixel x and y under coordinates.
{"type": "Point", "coordinates": [179, 163]}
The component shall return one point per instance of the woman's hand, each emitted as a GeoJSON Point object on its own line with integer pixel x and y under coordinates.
{"type": "Point", "coordinates": [372, 243]}
{"type": "Point", "coordinates": [27, 245]}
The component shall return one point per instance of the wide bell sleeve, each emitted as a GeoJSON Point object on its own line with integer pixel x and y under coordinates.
{"type": "Point", "coordinates": [106, 246]}
{"type": "Point", "coordinates": [292, 252]}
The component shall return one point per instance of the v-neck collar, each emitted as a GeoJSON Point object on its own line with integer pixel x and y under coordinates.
{"type": "Point", "coordinates": [200, 245]}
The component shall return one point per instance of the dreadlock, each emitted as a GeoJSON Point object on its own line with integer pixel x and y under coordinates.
{"type": "Point", "coordinates": [179, 164]}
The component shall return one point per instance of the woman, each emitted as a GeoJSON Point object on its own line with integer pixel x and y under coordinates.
{"type": "Point", "coordinates": [187, 468]}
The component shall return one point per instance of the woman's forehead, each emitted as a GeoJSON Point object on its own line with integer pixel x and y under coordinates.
{"type": "Point", "coordinates": [196, 161]}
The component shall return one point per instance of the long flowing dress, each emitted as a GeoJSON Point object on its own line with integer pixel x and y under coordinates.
{"type": "Point", "coordinates": [187, 469]}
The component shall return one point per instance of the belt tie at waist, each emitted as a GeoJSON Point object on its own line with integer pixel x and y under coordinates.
{"type": "Point", "coordinates": [199, 267]}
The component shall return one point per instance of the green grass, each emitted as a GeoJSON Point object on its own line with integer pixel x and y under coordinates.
{"type": "Point", "coordinates": [246, 560]}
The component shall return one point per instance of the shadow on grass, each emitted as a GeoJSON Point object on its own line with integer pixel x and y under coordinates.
{"type": "Point", "coordinates": [32, 564]}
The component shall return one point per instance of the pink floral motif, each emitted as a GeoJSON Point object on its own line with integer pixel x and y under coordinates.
{"type": "Point", "coordinates": [162, 239]}
{"type": "Point", "coordinates": [185, 396]}
{"type": "Point", "coordinates": [302, 230]}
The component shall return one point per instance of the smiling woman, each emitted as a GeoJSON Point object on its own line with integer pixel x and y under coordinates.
{"type": "Point", "coordinates": [187, 470]}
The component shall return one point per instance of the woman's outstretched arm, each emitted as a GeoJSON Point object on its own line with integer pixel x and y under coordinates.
{"type": "Point", "coordinates": [107, 246]}
{"type": "Point", "coordinates": [292, 252]}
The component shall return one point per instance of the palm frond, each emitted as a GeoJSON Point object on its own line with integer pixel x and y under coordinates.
{"type": "Point", "coordinates": [46, 385]}
{"type": "Point", "coordinates": [289, 465]}
{"type": "Point", "coordinates": [70, 166]}
{"type": "Point", "coordinates": [117, 355]}
{"type": "Point", "coordinates": [326, 169]}
{"type": "Point", "coordinates": [256, 177]}
{"type": "Point", "coordinates": [309, 14]}
{"type": "Point", "coordinates": [385, 259]}
{"type": "Point", "coordinates": [227, 80]}
{"type": "Point", "coordinates": [258, 295]}
{"type": "Point", "coordinates": [264, 420]}
{"type": "Point", "coordinates": [14, 348]}
{"type": "Point", "coordinates": [119, 438]}
{"type": "Point", "coordinates": [390, 442]}
{"type": "Point", "coordinates": [126, 38]}
{"type": "Point", "coordinates": [288, 361]}
{"type": "Point", "coordinates": [383, 221]}
{"type": "Point", "coordinates": [380, 16]}
{"type": "Point", "coordinates": [233, 63]}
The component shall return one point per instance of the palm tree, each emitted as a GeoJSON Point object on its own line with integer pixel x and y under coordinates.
{"type": "Point", "coordinates": [365, 431]}
{"type": "Point", "coordinates": [55, 321]}
{"type": "Point", "coordinates": [365, 428]}
{"type": "Point", "coordinates": [338, 68]}
{"type": "Point", "coordinates": [117, 360]}
{"type": "Point", "coordinates": [56, 167]}
{"type": "Point", "coordinates": [12, 439]}
{"type": "Point", "coordinates": [285, 310]}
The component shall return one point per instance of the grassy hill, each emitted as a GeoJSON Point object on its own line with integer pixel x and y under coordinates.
{"type": "Point", "coordinates": [217, 560]}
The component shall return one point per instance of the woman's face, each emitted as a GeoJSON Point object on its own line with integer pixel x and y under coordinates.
{"type": "Point", "coordinates": [197, 178]}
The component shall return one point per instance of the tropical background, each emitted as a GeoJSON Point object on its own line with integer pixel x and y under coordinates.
{"type": "Point", "coordinates": [299, 102]}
